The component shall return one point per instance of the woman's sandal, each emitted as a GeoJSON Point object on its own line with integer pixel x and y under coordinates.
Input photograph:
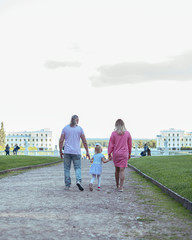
{"type": "Point", "coordinates": [120, 189]}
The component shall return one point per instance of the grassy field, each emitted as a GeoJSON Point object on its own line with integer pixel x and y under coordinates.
{"type": "Point", "coordinates": [9, 162]}
{"type": "Point", "coordinates": [174, 172]}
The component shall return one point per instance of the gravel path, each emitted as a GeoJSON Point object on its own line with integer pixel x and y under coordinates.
{"type": "Point", "coordinates": [34, 205]}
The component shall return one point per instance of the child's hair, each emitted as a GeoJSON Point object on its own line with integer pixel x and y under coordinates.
{"type": "Point", "coordinates": [98, 148]}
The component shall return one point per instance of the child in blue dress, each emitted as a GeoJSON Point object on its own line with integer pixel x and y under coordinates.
{"type": "Point", "coordinates": [96, 167]}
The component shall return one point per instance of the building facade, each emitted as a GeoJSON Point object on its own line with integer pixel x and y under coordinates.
{"type": "Point", "coordinates": [41, 139]}
{"type": "Point", "coordinates": [174, 139]}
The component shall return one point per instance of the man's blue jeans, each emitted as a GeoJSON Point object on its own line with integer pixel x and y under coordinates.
{"type": "Point", "coordinates": [76, 159]}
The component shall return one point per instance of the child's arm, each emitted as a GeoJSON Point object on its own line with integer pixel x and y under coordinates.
{"type": "Point", "coordinates": [105, 160]}
{"type": "Point", "coordinates": [91, 160]}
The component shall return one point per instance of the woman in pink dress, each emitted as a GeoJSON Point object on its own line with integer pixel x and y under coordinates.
{"type": "Point", "coordinates": [119, 149]}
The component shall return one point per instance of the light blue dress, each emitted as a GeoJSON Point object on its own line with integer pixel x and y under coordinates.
{"type": "Point", "coordinates": [96, 166]}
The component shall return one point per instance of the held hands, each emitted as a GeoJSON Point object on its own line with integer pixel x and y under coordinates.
{"type": "Point", "coordinates": [88, 156]}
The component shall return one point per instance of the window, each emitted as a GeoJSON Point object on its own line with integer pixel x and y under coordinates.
{"type": "Point", "coordinates": [49, 140]}
{"type": "Point", "coordinates": [41, 135]}
{"type": "Point", "coordinates": [45, 135]}
{"type": "Point", "coordinates": [41, 140]}
{"type": "Point", "coordinates": [186, 139]}
{"type": "Point", "coordinates": [169, 134]}
{"type": "Point", "coordinates": [20, 140]}
{"type": "Point", "coordinates": [177, 139]}
{"type": "Point", "coordinates": [7, 140]}
{"type": "Point", "coordinates": [37, 140]}
{"type": "Point", "coordinates": [37, 135]}
{"type": "Point", "coordinates": [16, 140]}
{"type": "Point", "coordinates": [177, 135]}
{"type": "Point", "coordinates": [41, 145]}
{"type": "Point", "coordinates": [33, 139]}
{"type": "Point", "coordinates": [173, 134]}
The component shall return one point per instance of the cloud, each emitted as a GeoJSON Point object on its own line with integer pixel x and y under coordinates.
{"type": "Point", "coordinates": [178, 68]}
{"type": "Point", "coordinates": [56, 64]}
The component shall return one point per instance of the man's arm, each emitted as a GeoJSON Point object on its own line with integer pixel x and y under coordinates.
{"type": "Point", "coordinates": [61, 141]}
{"type": "Point", "coordinates": [85, 145]}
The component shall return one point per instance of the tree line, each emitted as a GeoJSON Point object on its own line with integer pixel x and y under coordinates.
{"type": "Point", "coordinates": [104, 142]}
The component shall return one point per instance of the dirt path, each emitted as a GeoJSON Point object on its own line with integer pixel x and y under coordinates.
{"type": "Point", "coordinates": [34, 205]}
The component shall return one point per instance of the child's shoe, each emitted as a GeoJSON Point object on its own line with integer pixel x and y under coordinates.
{"type": "Point", "coordinates": [99, 189]}
{"type": "Point", "coordinates": [91, 187]}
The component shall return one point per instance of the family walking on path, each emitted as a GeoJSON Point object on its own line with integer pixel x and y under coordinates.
{"type": "Point", "coordinates": [119, 150]}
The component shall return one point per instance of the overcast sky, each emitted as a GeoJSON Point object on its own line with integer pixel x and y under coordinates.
{"type": "Point", "coordinates": [99, 59]}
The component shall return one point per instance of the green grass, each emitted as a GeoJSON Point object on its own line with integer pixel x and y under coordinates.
{"type": "Point", "coordinates": [174, 172]}
{"type": "Point", "coordinates": [9, 162]}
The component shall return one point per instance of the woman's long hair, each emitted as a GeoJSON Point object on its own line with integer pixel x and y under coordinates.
{"type": "Point", "coordinates": [74, 120]}
{"type": "Point", "coordinates": [120, 126]}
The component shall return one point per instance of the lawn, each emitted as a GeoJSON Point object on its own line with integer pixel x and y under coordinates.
{"type": "Point", "coordinates": [9, 162]}
{"type": "Point", "coordinates": [174, 172]}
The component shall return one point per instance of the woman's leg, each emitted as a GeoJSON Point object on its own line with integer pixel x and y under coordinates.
{"type": "Point", "coordinates": [122, 177]}
{"type": "Point", "coordinates": [117, 170]}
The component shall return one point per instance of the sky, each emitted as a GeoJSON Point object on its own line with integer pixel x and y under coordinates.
{"type": "Point", "coordinates": [100, 59]}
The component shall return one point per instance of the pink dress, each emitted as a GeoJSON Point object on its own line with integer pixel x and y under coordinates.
{"type": "Point", "coordinates": [120, 146]}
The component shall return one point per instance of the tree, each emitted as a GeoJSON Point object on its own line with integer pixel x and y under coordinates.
{"type": "Point", "coordinates": [140, 144]}
{"type": "Point", "coordinates": [2, 135]}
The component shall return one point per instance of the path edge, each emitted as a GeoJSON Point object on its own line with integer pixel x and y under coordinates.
{"type": "Point", "coordinates": [185, 202]}
{"type": "Point", "coordinates": [29, 167]}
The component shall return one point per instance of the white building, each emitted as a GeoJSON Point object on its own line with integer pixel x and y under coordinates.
{"type": "Point", "coordinates": [175, 139]}
{"type": "Point", "coordinates": [41, 139]}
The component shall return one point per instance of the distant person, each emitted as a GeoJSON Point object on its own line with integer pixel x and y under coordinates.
{"type": "Point", "coordinates": [7, 149]}
{"type": "Point", "coordinates": [145, 147]}
{"type": "Point", "coordinates": [119, 149]}
{"type": "Point", "coordinates": [148, 152]}
{"type": "Point", "coordinates": [15, 150]}
{"type": "Point", "coordinates": [70, 137]}
{"type": "Point", "coordinates": [143, 154]}
{"type": "Point", "coordinates": [96, 167]}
